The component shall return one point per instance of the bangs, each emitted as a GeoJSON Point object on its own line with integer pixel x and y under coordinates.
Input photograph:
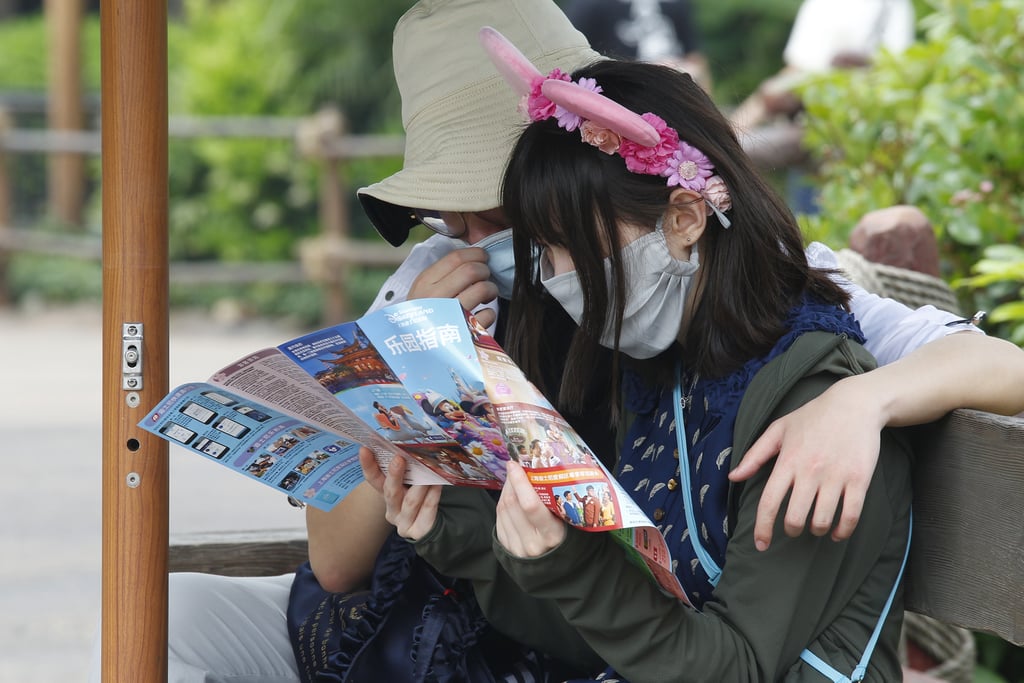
{"type": "Point", "coordinates": [544, 207]}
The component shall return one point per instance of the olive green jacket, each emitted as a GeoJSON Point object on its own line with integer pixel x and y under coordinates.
{"type": "Point", "coordinates": [583, 603]}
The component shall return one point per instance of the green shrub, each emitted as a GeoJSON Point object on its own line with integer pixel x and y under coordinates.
{"type": "Point", "coordinates": [54, 279]}
{"type": "Point", "coordinates": [1001, 272]}
{"type": "Point", "coordinates": [940, 127]}
{"type": "Point", "coordinates": [230, 200]}
{"type": "Point", "coordinates": [23, 64]}
{"type": "Point", "coordinates": [743, 42]}
{"type": "Point", "coordinates": [254, 200]}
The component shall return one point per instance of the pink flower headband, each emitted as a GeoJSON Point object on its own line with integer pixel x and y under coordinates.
{"type": "Point", "coordinates": [646, 143]}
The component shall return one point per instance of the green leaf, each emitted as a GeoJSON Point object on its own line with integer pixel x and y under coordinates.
{"type": "Point", "coordinates": [1007, 312]}
{"type": "Point", "coordinates": [983, 675]}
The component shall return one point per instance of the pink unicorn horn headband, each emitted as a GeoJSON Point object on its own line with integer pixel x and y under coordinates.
{"type": "Point", "coordinates": [648, 145]}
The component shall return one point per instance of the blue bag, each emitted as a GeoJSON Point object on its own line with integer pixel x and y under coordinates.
{"type": "Point", "coordinates": [412, 625]}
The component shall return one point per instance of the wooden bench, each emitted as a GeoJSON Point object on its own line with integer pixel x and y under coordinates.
{"type": "Point", "coordinates": [966, 563]}
{"type": "Point", "coordinates": [240, 553]}
{"type": "Point", "coordinates": [966, 566]}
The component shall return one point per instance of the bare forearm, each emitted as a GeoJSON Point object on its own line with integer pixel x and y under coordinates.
{"type": "Point", "coordinates": [343, 543]}
{"type": "Point", "coordinates": [958, 371]}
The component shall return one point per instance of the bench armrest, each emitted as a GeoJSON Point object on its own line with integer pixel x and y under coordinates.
{"type": "Point", "coordinates": [247, 553]}
{"type": "Point", "coordinates": [966, 562]}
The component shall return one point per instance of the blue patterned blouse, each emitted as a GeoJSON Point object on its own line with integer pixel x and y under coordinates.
{"type": "Point", "coordinates": [648, 467]}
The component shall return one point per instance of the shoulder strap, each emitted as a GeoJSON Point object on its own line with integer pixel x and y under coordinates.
{"type": "Point", "coordinates": [711, 568]}
{"type": "Point", "coordinates": [714, 572]}
{"type": "Point", "coordinates": [826, 669]}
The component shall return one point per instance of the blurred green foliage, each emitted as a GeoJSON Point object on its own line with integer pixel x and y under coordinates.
{"type": "Point", "coordinates": [23, 69]}
{"type": "Point", "coordinates": [253, 200]}
{"type": "Point", "coordinates": [232, 200]}
{"type": "Point", "coordinates": [941, 127]}
{"type": "Point", "coordinates": [1001, 275]}
{"type": "Point", "coordinates": [743, 42]}
{"type": "Point", "coordinates": [932, 128]}
{"type": "Point", "coordinates": [54, 279]}
{"type": "Point", "coordinates": [23, 61]}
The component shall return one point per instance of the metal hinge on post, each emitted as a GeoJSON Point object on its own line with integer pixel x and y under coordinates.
{"type": "Point", "coordinates": [131, 361]}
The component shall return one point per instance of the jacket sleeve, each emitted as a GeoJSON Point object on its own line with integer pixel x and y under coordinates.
{"type": "Point", "coordinates": [768, 605]}
{"type": "Point", "coordinates": [459, 545]}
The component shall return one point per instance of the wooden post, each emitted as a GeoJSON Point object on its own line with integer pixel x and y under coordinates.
{"type": "Point", "coordinates": [335, 288]}
{"type": "Point", "coordinates": [333, 217]}
{"type": "Point", "coordinates": [135, 279]}
{"type": "Point", "coordinates": [65, 109]}
{"type": "Point", "coordinates": [318, 138]}
{"type": "Point", "coordinates": [5, 211]}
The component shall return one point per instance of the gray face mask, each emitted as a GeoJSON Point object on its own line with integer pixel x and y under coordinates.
{"type": "Point", "coordinates": [500, 259]}
{"type": "Point", "coordinates": [656, 288]}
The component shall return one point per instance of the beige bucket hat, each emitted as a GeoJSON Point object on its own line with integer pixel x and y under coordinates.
{"type": "Point", "coordinates": [459, 116]}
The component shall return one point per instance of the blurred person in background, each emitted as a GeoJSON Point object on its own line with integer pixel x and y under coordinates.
{"type": "Point", "coordinates": [661, 31]}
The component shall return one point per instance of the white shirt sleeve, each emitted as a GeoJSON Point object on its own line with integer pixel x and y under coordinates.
{"type": "Point", "coordinates": [892, 330]}
{"type": "Point", "coordinates": [396, 288]}
{"type": "Point", "coordinates": [824, 29]}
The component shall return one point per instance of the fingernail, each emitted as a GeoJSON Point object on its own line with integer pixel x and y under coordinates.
{"type": "Point", "coordinates": [761, 545]}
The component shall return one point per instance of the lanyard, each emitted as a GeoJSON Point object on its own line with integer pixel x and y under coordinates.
{"type": "Point", "coordinates": [714, 572]}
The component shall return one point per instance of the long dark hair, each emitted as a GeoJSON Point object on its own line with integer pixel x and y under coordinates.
{"type": "Point", "coordinates": [561, 191]}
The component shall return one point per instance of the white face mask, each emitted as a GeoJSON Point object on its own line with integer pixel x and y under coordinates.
{"type": "Point", "coordinates": [656, 287]}
{"type": "Point", "coordinates": [500, 259]}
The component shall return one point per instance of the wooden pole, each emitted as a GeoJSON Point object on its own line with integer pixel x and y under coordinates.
{"type": "Point", "coordinates": [135, 326]}
{"type": "Point", "coordinates": [66, 171]}
{"type": "Point", "coordinates": [329, 126]}
{"type": "Point", "coordinates": [5, 211]}
{"type": "Point", "coordinates": [334, 218]}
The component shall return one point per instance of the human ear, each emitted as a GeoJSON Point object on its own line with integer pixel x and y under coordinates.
{"type": "Point", "coordinates": [684, 222]}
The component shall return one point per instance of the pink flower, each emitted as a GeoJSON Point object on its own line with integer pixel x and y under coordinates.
{"type": "Point", "coordinates": [539, 107]}
{"type": "Point", "coordinates": [688, 168]}
{"type": "Point", "coordinates": [717, 193]}
{"type": "Point", "coordinates": [605, 140]}
{"type": "Point", "coordinates": [567, 119]}
{"type": "Point", "coordinates": [986, 186]}
{"type": "Point", "coordinates": [651, 160]}
{"type": "Point", "coordinates": [523, 107]}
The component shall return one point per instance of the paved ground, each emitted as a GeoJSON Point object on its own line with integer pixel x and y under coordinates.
{"type": "Point", "coordinates": [50, 513]}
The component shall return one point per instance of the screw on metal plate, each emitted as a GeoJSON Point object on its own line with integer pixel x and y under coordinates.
{"type": "Point", "coordinates": [133, 480]}
{"type": "Point", "coordinates": [131, 356]}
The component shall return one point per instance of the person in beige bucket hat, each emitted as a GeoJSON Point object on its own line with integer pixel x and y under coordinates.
{"type": "Point", "coordinates": [471, 103]}
{"type": "Point", "coordinates": [460, 118]}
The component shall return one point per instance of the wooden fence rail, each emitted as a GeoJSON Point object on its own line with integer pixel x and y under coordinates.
{"type": "Point", "coordinates": [320, 139]}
